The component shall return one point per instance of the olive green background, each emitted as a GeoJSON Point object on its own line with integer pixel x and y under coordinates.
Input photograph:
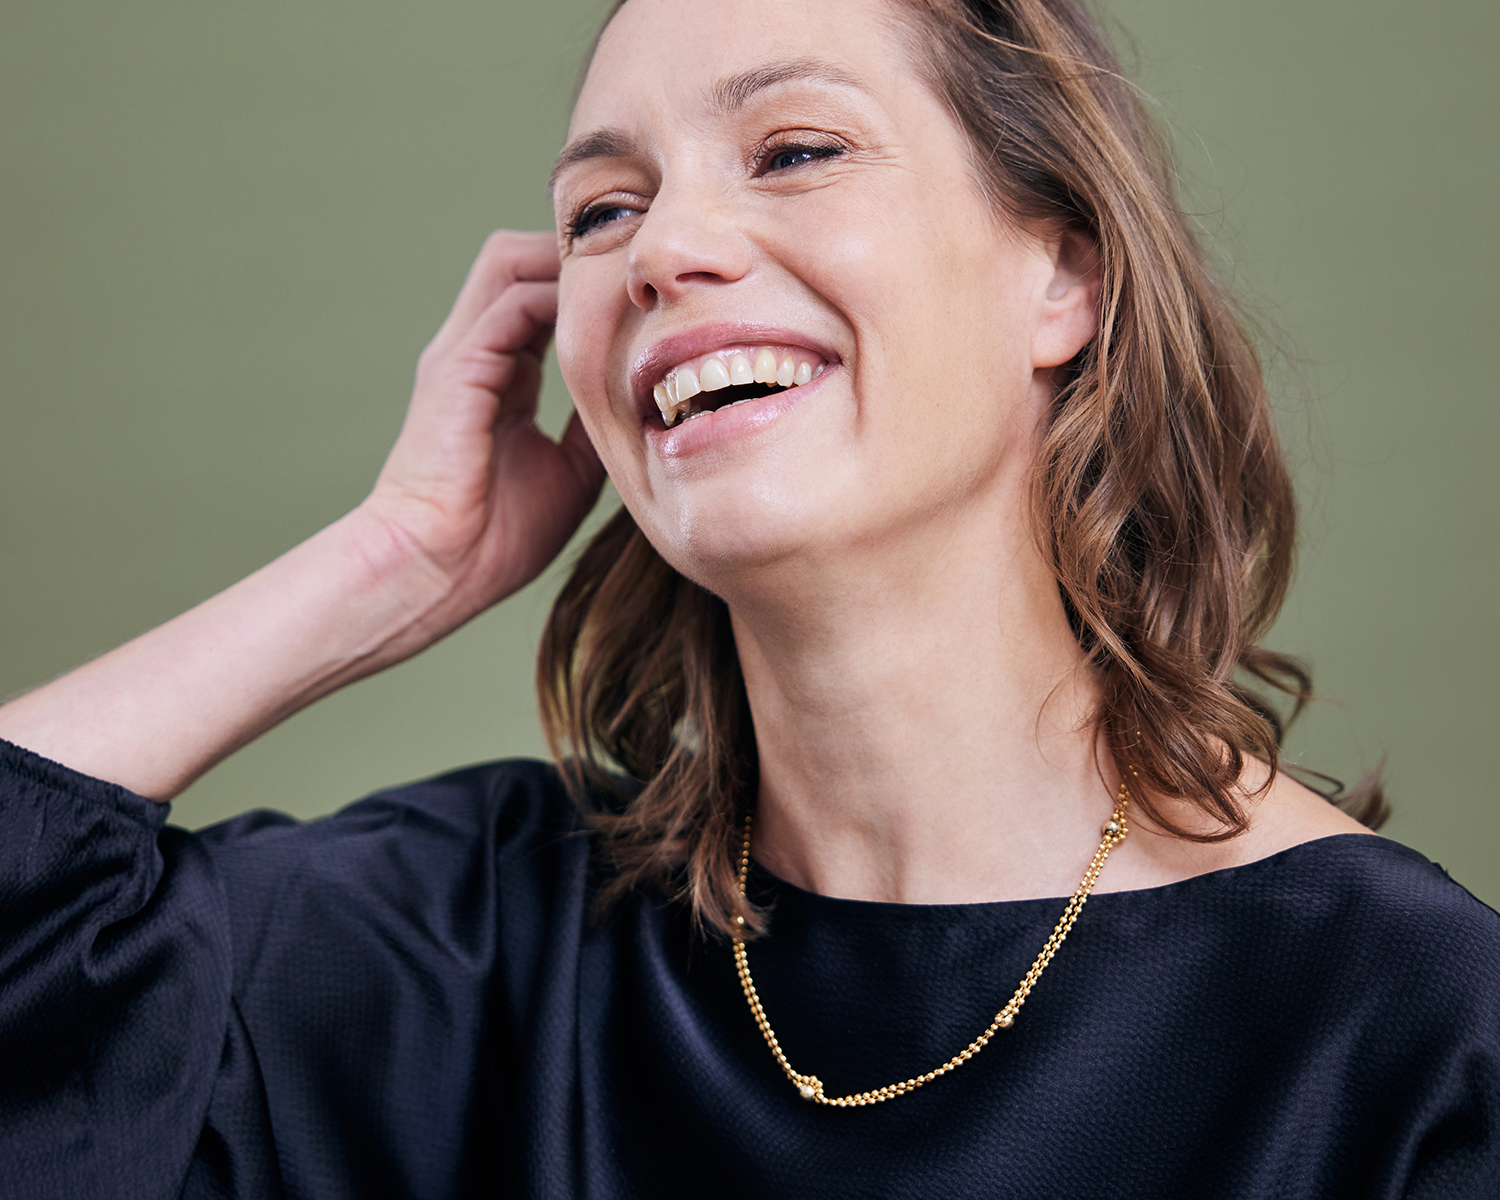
{"type": "Point", "coordinates": [228, 231]}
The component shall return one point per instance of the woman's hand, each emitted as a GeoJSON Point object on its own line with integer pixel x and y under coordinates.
{"type": "Point", "coordinates": [474, 495]}
{"type": "Point", "coordinates": [473, 502]}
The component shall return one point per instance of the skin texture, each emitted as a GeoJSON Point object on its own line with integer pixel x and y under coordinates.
{"type": "Point", "coordinates": [739, 172]}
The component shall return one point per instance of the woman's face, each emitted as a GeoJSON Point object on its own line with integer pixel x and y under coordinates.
{"type": "Point", "coordinates": [759, 189]}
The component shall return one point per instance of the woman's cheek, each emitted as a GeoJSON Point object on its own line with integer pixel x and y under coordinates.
{"type": "Point", "coordinates": [590, 316]}
{"type": "Point", "coordinates": [840, 239]}
{"type": "Point", "coordinates": [583, 341]}
{"type": "Point", "coordinates": [569, 348]}
{"type": "Point", "coordinates": [845, 247]}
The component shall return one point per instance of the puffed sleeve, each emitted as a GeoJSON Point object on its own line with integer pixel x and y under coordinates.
{"type": "Point", "coordinates": [123, 1070]}
{"type": "Point", "coordinates": [268, 1008]}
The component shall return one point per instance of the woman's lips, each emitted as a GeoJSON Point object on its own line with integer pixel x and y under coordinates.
{"type": "Point", "coordinates": [732, 375]}
{"type": "Point", "coordinates": [661, 372]}
{"type": "Point", "coordinates": [713, 428]}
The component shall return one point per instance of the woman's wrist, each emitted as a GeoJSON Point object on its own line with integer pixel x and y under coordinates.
{"type": "Point", "coordinates": [399, 600]}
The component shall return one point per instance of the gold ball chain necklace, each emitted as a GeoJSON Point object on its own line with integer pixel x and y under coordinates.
{"type": "Point", "coordinates": [811, 1087]}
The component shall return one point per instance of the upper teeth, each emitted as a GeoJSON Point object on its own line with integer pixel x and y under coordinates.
{"type": "Point", "coordinates": [769, 365]}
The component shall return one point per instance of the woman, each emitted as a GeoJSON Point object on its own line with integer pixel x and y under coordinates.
{"type": "Point", "coordinates": [953, 506]}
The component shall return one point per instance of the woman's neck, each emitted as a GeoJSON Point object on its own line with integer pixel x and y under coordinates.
{"type": "Point", "coordinates": [925, 737]}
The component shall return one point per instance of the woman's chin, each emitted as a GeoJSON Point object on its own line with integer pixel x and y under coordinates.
{"type": "Point", "coordinates": [751, 508]}
{"type": "Point", "coordinates": [726, 546]}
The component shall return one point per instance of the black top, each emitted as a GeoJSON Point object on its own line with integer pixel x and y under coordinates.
{"type": "Point", "coordinates": [412, 999]}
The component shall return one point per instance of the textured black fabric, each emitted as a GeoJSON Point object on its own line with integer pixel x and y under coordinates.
{"type": "Point", "coordinates": [410, 999]}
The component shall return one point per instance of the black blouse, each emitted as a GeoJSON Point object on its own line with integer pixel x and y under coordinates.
{"type": "Point", "coordinates": [413, 998]}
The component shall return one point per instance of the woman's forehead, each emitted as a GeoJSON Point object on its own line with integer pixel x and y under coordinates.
{"type": "Point", "coordinates": [705, 55]}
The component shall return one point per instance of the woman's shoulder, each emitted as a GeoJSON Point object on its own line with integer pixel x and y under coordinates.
{"type": "Point", "coordinates": [1363, 884]}
{"type": "Point", "coordinates": [1359, 915]}
{"type": "Point", "coordinates": [510, 800]}
{"type": "Point", "coordinates": [449, 880]}
{"type": "Point", "coordinates": [505, 825]}
{"type": "Point", "coordinates": [1390, 889]}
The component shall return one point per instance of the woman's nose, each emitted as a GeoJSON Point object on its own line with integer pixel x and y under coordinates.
{"type": "Point", "coordinates": [687, 240]}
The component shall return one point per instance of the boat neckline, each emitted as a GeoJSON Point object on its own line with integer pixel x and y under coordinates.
{"type": "Point", "coordinates": [766, 886]}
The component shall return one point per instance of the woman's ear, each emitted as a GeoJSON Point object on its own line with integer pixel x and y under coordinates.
{"type": "Point", "coordinates": [1069, 314]}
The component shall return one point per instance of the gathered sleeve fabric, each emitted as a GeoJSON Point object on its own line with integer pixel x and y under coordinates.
{"type": "Point", "coordinates": [268, 1008]}
{"type": "Point", "coordinates": [115, 975]}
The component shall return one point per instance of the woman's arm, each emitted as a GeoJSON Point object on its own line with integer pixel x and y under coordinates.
{"type": "Point", "coordinates": [472, 504]}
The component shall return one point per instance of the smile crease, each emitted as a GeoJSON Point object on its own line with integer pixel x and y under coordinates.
{"type": "Point", "coordinates": [729, 377]}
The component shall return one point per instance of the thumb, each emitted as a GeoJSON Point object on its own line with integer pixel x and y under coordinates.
{"type": "Point", "coordinates": [578, 451]}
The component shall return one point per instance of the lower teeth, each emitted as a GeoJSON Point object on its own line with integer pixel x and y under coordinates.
{"type": "Point", "coordinates": [767, 389]}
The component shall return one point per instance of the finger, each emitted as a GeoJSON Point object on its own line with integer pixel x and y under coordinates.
{"type": "Point", "coordinates": [508, 256]}
{"type": "Point", "coordinates": [539, 344]}
{"type": "Point", "coordinates": [495, 345]}
{"type": "Point", "coordinates": [519, 320]}
{"type": "Point", "coordinates": [522, 392]}
{"type": "Point", "coordinates": [582, 458]}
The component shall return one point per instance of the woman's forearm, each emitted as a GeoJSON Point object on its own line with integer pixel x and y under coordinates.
{"type": "Point", "coordinates": [156, 713]}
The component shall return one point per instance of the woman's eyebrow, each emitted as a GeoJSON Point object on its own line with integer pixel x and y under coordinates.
{"type": "Point", "coordinates": [733, 91]}
{"type": "Point", "coordinates": [724, 97]}
{"type": "Point", "coordinates": [600, 143]}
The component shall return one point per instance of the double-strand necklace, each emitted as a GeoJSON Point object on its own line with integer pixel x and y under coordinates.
{"type": "Point", "coordinates": [811, 1087]}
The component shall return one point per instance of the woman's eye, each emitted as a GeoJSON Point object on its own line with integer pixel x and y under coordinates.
{"type": "Point", "coordinates": [591, 218]}
{"type": "Point", "coordinates": [783, 157]}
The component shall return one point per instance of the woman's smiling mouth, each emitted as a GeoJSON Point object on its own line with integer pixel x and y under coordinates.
{"type": "Point", "coordinates": [730, 376]}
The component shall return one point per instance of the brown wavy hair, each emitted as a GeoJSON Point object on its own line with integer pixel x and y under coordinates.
{"type": "Point", "coordinates": [1161, 499]}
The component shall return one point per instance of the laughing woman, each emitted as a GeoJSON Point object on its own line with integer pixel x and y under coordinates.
{"type": "Point", "coordinates": [953, 512]}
